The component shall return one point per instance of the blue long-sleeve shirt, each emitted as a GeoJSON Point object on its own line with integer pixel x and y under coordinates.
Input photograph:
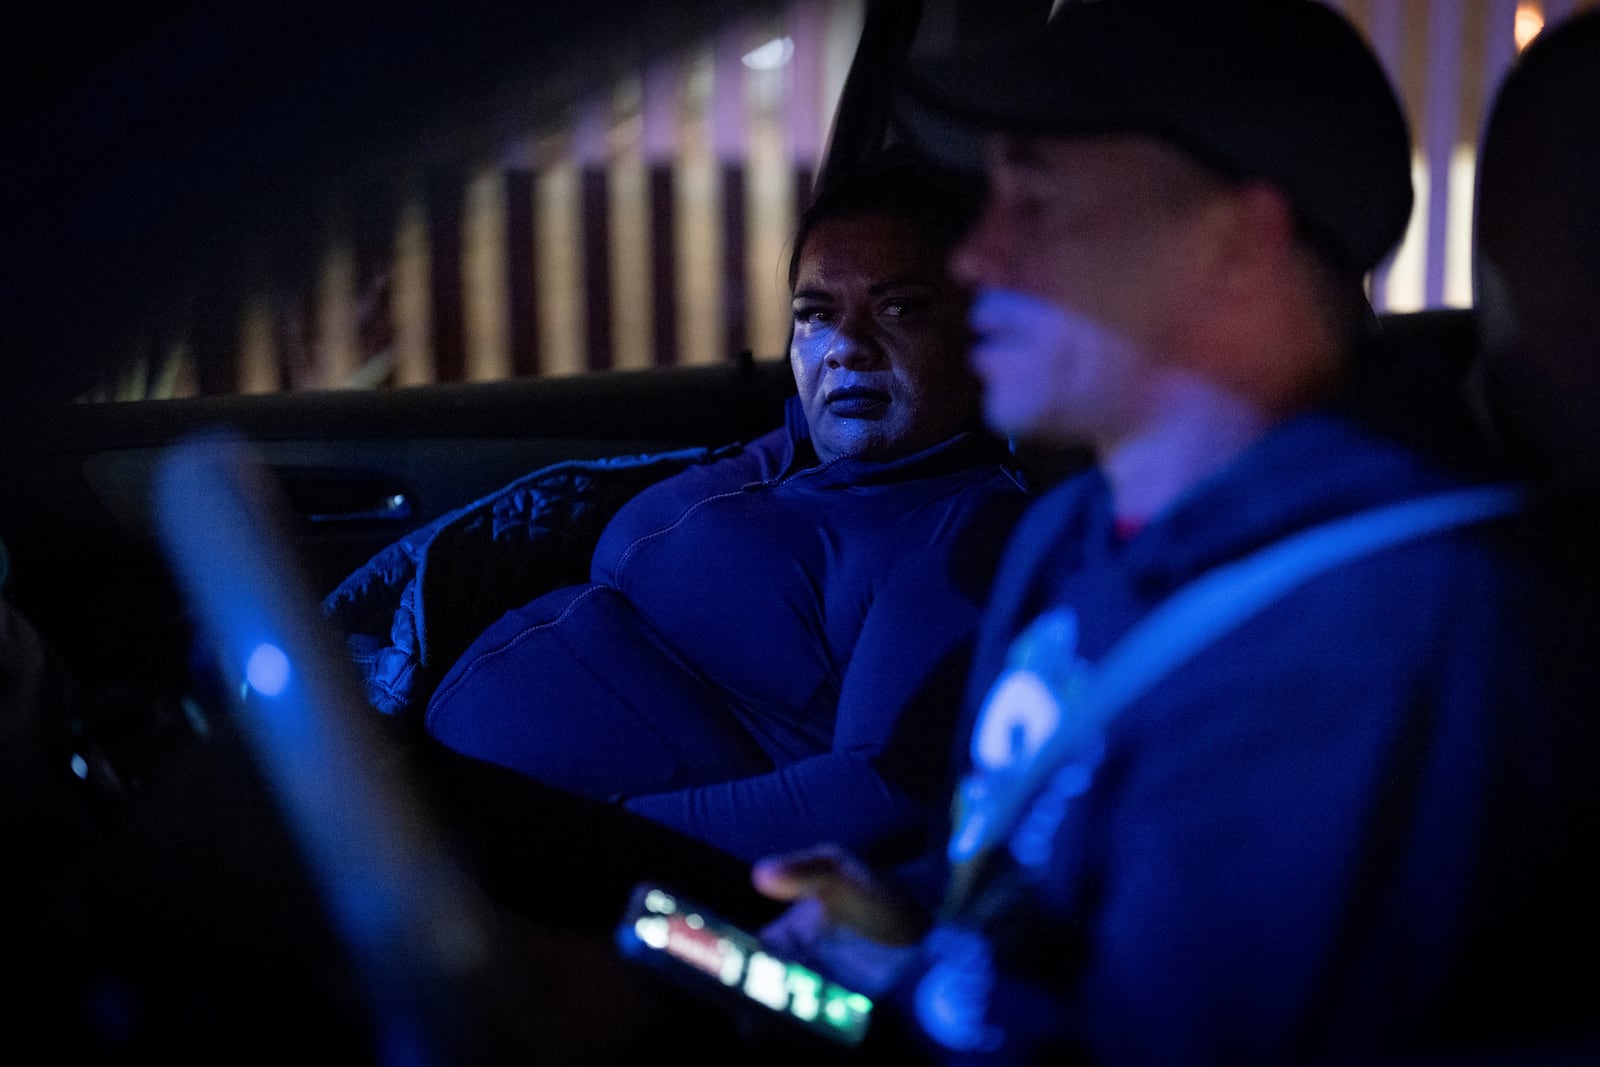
{"type": "Point", "coordinates": [770, 651]}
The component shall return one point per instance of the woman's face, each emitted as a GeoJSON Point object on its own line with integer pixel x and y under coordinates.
{"type": "Point", "coordinates": [879, 346]}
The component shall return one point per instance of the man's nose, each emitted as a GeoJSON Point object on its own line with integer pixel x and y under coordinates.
{"type": "Point", "coordinates": [974, 261]}
{"type": "Point", "coordinates": [854, 345]}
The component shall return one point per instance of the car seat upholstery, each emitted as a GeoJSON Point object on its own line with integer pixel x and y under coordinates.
{"type": "Point", "coordinates": [1537, 258]}
{"type": "Point", "coordinates": [1537, 279]}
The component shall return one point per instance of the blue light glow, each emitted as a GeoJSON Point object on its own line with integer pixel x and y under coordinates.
{"type": "Point", "coordinates": [267, 670]}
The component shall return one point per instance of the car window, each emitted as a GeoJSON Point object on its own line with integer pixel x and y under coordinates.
{"type": "Point", "coordinates": [631, 211]}
{"type": "Point", "coordinates": [620, 198]}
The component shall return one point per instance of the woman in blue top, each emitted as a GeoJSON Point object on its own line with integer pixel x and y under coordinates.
{"type": "Point", "coordinates": [770, 649]}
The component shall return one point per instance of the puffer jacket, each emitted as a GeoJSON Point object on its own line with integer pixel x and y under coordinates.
{"type": "Point", "coordinates": [410, 611]}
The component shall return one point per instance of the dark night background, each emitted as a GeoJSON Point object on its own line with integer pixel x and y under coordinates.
{"type": "Point", "coordinates": [146, 145]}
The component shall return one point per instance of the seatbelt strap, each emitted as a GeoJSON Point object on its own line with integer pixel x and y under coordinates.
{"type": "Point", "coordinates": [1202, 612]}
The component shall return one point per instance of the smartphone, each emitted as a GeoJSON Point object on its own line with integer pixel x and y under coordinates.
{"type": "Point", "coordinates": [691, 943]}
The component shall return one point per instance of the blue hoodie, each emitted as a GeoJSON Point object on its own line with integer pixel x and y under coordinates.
{"type": "Point", "coordinates": [1353, 827]}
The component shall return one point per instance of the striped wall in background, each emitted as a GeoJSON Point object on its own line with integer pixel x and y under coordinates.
{"type": "Point", "coordinates": [652, 227]}
{"type": "Point", "coordinates": [1446, 58]}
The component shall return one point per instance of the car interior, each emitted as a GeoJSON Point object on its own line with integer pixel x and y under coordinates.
{"type": "Point", "coordinates": [168, 900]}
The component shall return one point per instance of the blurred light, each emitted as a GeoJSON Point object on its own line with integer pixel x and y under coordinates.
{"type": "Point", "coordinates": [770, 56]}
{"type": "Point", "coordinates": [80, 766]}
{"type": "Point", "coordinates": [1530, 20]}
{"type": "Point", "coordinates": [196, 718]}
{"type": "Point", "coordinates": [652, 930]}
{"type": "Point", "coordinates": [267, 670]}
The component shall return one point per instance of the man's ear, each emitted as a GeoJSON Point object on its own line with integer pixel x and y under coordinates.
{"type": "Point", "coordinates": [1263, 234]}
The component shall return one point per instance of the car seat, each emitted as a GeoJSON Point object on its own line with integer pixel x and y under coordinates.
{"type": "Point", "coordinates": [1537, 259]}
{"type": "Point", "coordinates": [1536, 275]}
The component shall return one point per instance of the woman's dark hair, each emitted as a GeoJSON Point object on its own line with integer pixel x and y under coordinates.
{"type": "Point", "coordinates": [939, 203]}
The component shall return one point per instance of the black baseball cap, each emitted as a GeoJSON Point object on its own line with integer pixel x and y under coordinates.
{"type": "Point", "coordinates": [1286, 91]}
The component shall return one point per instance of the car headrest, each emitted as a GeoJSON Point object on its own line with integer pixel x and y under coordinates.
{"type": "Point", "coordinates": [1537, 256]}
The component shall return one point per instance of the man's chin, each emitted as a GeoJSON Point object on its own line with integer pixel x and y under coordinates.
{"type": "Point", "coordinates": [1012, 419]}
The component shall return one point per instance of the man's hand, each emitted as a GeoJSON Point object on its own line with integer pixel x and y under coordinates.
{"type": "Point", "coordinates": [846, 893]}
{"type": "Point", "coordinates": [846, 921]}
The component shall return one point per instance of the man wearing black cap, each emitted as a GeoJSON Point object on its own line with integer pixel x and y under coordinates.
{"type": "Point", "coordinates": [1267, 761]}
